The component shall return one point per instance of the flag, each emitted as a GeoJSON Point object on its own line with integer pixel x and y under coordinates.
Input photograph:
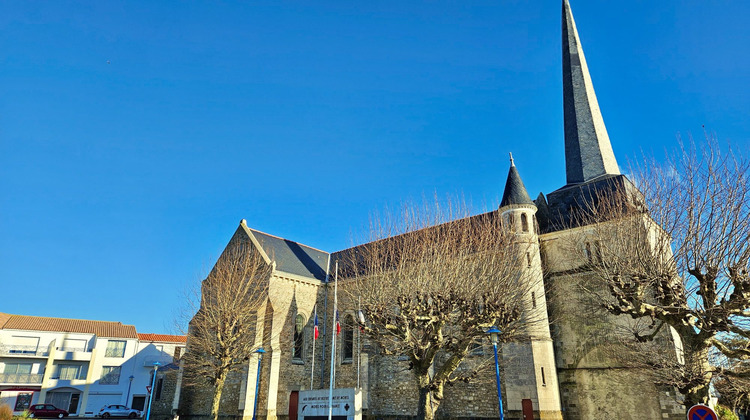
{"type": "Point", "coordinates": [361, 320]}
{"type": "Point", "coordinates": [338, 324]}
{"type": "Point", "coordinates": [317, 332]}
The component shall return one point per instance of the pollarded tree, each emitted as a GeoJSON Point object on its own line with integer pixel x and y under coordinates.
{"type": "Point", "coordinates": [430, 287]}
{"type": "Point", "coordinates": [733, 384]}
{"type": "Point", "coordinates": [673, 254]}
{"type": "Point", "coordinates": [222, 335]}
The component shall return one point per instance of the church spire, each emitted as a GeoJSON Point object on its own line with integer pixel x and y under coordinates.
{"type": "Point", "coordinates": [515, 191]}
{"type": "Point", "coordinates": [588, 152]}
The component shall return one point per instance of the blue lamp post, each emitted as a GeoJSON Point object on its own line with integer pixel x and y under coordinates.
{"type": "Point", "coordinates": [129, 385]}
{"type": "Point", "coordinates": [260, 352]}
{"type": "Point", "coordinates": [494, 337]}
{"type": "Point", "coordinates": [151, 394]}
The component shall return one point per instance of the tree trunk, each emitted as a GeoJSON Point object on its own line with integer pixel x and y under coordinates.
{"type": "Point", "coordinates": [425, 409]}
{"type": "Point", "coordinates": [697, 392]}
{"type": "Point", "coordinates": [696, 395]}
{"type": "Point", "coordinates": [217, 395]}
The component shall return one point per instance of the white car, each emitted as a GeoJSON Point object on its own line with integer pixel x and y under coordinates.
{"type": "Point", "coordinates": [116, 410]}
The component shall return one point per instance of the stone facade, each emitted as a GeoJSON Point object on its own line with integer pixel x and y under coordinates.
{"type": "Point", "coordinates": [592, 385]}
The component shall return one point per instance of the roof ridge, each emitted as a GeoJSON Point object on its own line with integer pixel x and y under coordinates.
{"type": "Point", "coordinates": [71, 319]}
{"type": "Point", "coordinates": [285, 239]}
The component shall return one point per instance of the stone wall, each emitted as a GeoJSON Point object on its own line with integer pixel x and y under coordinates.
{"type": "Point", "coordinates": [592, 383]}
{"type": "Point", "coordinates": [161, 408]}
{"type": "Point", "coordinates": [195, 399]}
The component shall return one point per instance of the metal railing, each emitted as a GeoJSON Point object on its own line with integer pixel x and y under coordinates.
{"type": "Point", "coordinates": [21, 378]}
{"type": "Point", "coordinates": [75, 377]}
{"type": "Point", "coordinates": [114, 352]}
{"type": "Point", "coordinates": [74, 349]}
{"type": "Point", "coordinates": [10, 349]}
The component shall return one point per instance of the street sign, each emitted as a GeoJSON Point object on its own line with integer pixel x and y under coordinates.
{"type": "Point", "coordinates": [701, 412]}
{"type": "Point", "coordinates": [346, 404]}
{"type": "Point", "coordinates": [148, 388]}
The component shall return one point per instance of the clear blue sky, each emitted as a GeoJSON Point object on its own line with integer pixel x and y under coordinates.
{"type": "Point", "coordinates": [134, 136]}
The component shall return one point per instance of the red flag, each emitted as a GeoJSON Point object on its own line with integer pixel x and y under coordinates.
{"type": "Point", "coordinates": [317, 332]}
{"type": "Point", "coordinates": [338, 324]}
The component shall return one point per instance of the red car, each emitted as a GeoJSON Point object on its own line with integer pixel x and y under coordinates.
{"type": "Point", "coordinates": [46, 410]}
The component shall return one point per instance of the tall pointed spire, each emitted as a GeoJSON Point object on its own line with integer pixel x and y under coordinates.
{"type": "Point", "coordinates": [588, 152]}
{"type": "Point", "coordinates": [515, 191]}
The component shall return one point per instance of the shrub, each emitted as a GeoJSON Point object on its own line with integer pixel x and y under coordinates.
{"type": "Point", "coordinates": [5, 412]}
{"type": "Point", "coordinates": [725, 413]}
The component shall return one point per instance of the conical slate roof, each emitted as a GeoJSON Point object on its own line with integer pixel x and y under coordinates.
{"type": "Point", "coordinates": [515, 191]}
{"type": "Point", "coordinates": [588, 151]}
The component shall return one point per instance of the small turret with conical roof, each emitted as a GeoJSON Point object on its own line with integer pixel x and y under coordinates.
{"type": "Point", "coordinates": [516, 205]}
{"type": "Point", "coordinates": [515, 192]}
{"type": "Point", "coordinates": [518, 213]}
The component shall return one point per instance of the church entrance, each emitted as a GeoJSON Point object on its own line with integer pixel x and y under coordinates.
{"type": "Point", "coordinates": [293, 403]}
{"type": "Point", "coordinates": [528, 409]}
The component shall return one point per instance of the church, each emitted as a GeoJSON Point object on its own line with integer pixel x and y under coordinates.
{"type": "Point", "coordinates": [556, 374]}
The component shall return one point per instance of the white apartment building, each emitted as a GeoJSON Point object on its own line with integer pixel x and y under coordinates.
{"type": "Point", "coordinates": [78, 365]}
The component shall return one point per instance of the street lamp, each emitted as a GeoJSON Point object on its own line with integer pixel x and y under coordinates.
{"type": "Point", "coordinates": [129, 385]}
{"type": "Point", "coordinates": [151, 394]}
{"type": "Point", "coordinates": [260, 352]}
{"type": "Point", "coordinates": [494, 337]}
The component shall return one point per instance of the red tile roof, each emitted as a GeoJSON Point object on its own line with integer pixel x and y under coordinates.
{"type": "Point", "coordinates": [3, 319]}
{"type": "Point", "coordinates": [164, 338]}
{"type": "Point", "coordinates": [39, 323]}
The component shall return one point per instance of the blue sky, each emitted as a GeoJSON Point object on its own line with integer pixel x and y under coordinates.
{"type": "Point", "coordinates": [134, 136]}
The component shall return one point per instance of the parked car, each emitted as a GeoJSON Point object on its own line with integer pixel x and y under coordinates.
{"type": "Point", "coordinates": [117, 410]}
{"type": "Point", "coordinates": [46, 410]}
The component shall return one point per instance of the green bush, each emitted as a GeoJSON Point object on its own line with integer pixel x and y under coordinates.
{"type": "Point", "coordinates": [5, 412]}
{"type": "Point", "coordinates": [725, 413]}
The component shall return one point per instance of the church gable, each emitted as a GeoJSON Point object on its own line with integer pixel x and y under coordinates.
{"type": "Point", "coordinates": [290, 257]}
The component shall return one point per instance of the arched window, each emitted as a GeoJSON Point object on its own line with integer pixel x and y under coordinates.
{"type": "Point", "coordinates": [524, 222]}
{"type": "Point", "coordinates": [348, 346]}
{"type": "Point", "coordinates": [299, 338]}
{"type": "Point", "coordinates": [511, 220]}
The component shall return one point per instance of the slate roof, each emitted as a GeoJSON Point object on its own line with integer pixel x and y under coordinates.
{"type": "Point", "coordinates": [345, 256]}
{"type": "Point", "coordinates": [39, 323]}
{"type": "Point", "coordinates": [162, 338]}
{"type": "Point", "coordinates": [515, 191]}
{"type": "Point", "coordinates": [565, 205]}
{"type": "Point", "coordinates": [293, 257]}
{"type": "Point", "coordinates": [588, 151]}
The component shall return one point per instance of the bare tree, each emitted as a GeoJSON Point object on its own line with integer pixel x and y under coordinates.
{"type": "Point", "coordinates": [733, 384]}
{"type": "Point", "coordinates": [673, 256]}
{"type": "Point", "coordinates": [430, 286]}
{"type": "Point", "coordinates": [222, 335]}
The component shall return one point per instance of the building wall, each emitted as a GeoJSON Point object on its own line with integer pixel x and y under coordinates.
{"type": "Point", "coordinates": [389, 387]}
{"type": "Point", "coordinates": [592, 385]}
{"type": "Point", "coordinates": [88, 353]}
{"type": "Point", "coordinates": [558, 369]}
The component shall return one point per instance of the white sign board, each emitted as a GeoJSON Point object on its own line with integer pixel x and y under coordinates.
{"type": "Point", "coordinates": [346, 404]}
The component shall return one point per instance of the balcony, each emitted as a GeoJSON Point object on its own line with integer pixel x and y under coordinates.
{"type": "Point", "coordinates": [21, 378]}
{"type": "Point", "coordinates": [73, 353]}
{"type": "Point", "coordinates": [73, 349]}
{"type": "Point", "coordinates": [162, 360]}
{"type": "Point", "coordinates": [22, 351]}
